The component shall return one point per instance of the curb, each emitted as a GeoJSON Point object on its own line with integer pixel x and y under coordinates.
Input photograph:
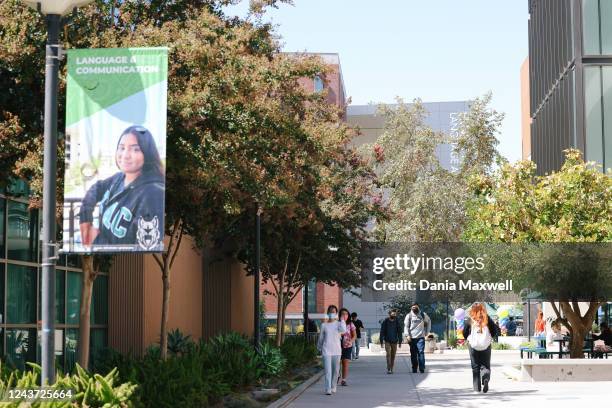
{"type": "Point", "coordinates": [296, 392]}
{"type": "Point", "coordinates": [512, 373]}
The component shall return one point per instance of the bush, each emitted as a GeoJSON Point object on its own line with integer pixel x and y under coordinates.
{"type": "Point", "coordinates": [179, 343]}
{"type": "Point", "coordinates": [298, 352]}
{"type": "Point", "coordinates": [87, 390]}
{"type": "Point", "coordinates": [501, 346]}
{"type": "Point", "coordinates": [375, 338]}
{"type": "Point", "coordinates": [452, 339]}
{"type": "Point", "coordinates": [272, 360]}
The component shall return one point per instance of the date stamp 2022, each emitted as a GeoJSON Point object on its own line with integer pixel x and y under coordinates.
{"type": "Point", "coordinates": [43, 394]}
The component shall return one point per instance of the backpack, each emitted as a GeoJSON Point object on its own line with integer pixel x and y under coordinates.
{"type": "Point", "coordinates": [480, 338]}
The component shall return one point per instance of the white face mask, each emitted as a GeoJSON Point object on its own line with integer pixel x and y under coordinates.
{"type": "Point", "coordinates": [332, 316]}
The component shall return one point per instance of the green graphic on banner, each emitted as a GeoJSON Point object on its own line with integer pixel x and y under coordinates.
{"type": "Point", "coordinates": [105, 76]}
{"type": "Point", "coordinates": [114, 186]}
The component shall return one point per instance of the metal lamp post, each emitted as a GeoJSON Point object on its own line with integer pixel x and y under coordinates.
{"type": "Point", "coordinates": [53, 10]}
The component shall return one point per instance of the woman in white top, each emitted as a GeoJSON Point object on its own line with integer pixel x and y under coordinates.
{"type": "Point", "coordinates": [552, 335]}
{"type": "Point", "coordinates": [329, 345]}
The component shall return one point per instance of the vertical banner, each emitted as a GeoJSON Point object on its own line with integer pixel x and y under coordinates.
{"type": "Point", "coordinates": [114, 186]}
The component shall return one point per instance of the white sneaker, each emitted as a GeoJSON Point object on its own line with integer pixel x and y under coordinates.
{"type": "Point", "coordinates": [328, 393]}
{"type": "Point", "coordinates": [334, 390]}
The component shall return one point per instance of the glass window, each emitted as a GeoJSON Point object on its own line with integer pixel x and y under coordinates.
{"type": "Point", "coordinates": [607, 103]}
{"type": "Point", "coordinates": [99, 301]}
{"type": "Point", "coordinates": [312, 296]}
{"type": "Point", "coordinates": [2, 234]}
{"type": "Point", "coordinates": [60, 292]}
{"type": "Point", "coordinates": [590, 27]}
{"type": "Point", "coordinates": [22, 232]}
{"type": "Point", "coordinates": [70, 350]}
{"type": "Point", "coordinates": [73, 297]}
{"type": "Point", "coordinates": [593, 114]}
{"type": "Point", "coordinates": [21, 294]}
{"type": "Point", "coordinates": [318, 84]}
{"type": "Point", "coordinates": [97, 343]}
{"type": "Point", "coordinates": [605, 6]}
{"type": "Point", "coordinates": [59, 347]}
{"type": "Point", "coordinates": [20, 347]}
{"type": "Point", "coordinates": [1, 299]}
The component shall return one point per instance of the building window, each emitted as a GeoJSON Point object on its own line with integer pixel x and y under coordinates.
{"type": "Point", "coordinates": [598, 100]}
{"type": "Point", "coordinates": [20, 283]}
{"type": "Point", "coordinates": [597, 27]}
{"type": "Point", "coordinates": [312, 296]}
{"type": "Point", "coordinates": [22, 232]}
{"type": "Point", "coordinates": [318, 84]}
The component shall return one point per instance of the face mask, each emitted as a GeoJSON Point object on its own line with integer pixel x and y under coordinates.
{"type": "Point", "coordinates": [332, 316]}
{"type": "Point", "coordinates": [392, 317]}
{"type": "Point", "coordinates": [415, 309]}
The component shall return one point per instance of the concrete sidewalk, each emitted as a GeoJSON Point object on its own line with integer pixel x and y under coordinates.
{"type": "Point", "coordinates": [447, 383]}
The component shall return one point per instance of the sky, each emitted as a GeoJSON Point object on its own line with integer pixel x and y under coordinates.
{"type": "Point", "coordinates": [436, 50]}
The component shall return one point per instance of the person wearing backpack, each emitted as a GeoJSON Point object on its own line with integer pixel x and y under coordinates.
{"type": "Point", "coordinates": [416, 326]}
{"type": "Point", "coordinates": [480, 334]}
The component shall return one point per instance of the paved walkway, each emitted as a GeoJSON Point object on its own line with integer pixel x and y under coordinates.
{"type": "Point", "coordinates": [447, 383]}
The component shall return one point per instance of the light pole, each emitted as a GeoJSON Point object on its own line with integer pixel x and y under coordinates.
{"type": "Point", "coordinates": [53, 10]}
{"type": "Point", "coordinates": [256, 322]}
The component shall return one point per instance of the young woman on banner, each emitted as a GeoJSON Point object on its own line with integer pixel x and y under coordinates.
{"type": "Point", "coordinates": [480, 334]}
{"type": "Point", "coordinates": [131, 202]}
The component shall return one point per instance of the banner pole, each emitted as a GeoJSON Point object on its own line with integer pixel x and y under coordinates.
{"type": "Point", "coordinates": [49, 201]}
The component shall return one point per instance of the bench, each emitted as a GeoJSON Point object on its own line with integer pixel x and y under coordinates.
{"type": "Point", "coordinates": [566, 370]}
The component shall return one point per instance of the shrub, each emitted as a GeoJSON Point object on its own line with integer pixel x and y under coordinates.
{"type": "Point", "coordinates": [375, 338]}
{"type": "Point", "coordinates": [179, 343]}
{"type": "Point", "coordinates": [501, 346]}
{"type": "Point", "coordinates": [272, 360]}
{"type": "Point", "coordinates": [235, 358]}
{"type": "Point", "coordinates": [87, 390]}
{"type": "Point", "coordinates": [298, 352]}
{"type": "Point", "coordinates": [452, 339]}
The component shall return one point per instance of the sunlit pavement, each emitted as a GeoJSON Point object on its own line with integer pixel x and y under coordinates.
{"type": "Point", "coordinates": [448, 383]}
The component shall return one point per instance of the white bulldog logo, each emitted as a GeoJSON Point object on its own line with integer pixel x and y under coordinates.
{"type": "Point", "coordinates": [148, 233]}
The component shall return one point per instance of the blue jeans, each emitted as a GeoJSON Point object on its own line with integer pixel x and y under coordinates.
{"type": "Point", "coordinates": [331, 365]}
{"type": "Point", "coordinates": [355, 349]}
{"type": "Point", "coordinates": [417, 354]}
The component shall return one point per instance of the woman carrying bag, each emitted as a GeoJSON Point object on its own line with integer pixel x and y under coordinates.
{"type": "Point", "coordinates": [480, 334]}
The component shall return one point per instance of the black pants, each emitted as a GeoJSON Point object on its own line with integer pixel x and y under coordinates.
{"type": "Point", "coordinates": [481, 366]}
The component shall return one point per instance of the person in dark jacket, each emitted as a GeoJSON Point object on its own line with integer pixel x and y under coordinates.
{"type": "Point", "coordinates": [391, 336]}
{"type": "Point", "coordinates": [606, 336]}
{"type": "Point", "coordinates": [131, 202]}
{"type": "Point", "coordinates": [480, 356]}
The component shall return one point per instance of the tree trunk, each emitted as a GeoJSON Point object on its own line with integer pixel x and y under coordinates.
{"type": "Point", "coordinates": [89, 276]}
{"type": "Point", "coordinates": [163, 343]}
{"type": "Point", "coordinates": [165, 263]}
{"type": "Point", "coordinates": [279, 318]}
{"type": "Point", "coordinates": [580, 325]}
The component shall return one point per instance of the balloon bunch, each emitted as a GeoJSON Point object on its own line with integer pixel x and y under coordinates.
{"type": "Point", "coordinates": [503, 313]}
{"type": "Point", "coordinates": [460, 321]}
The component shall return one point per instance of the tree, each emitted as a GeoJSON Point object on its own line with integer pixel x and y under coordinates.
{"type": "Point", "coordinates": [234, 111]}
{"type": "Point", "coordinates": [320, 237]}
{"type": "Point", "coordinates": [573, 206]}
{"type": "Point", "coordinates": [427, 201]}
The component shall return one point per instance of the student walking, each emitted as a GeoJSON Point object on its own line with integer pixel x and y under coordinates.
{"type": "Point", "coordinates": [348, 338]}
{"type": "Point", "coordinates": [480, 334]}
{"type": "Point", "coordinates": [330, 347]}
{"type": "Point", "coordinates": [391, 336]}
{"type": "Point", "coordinates": [358, 326]}
{"type": "Point", "coordinates": [416, 326]}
